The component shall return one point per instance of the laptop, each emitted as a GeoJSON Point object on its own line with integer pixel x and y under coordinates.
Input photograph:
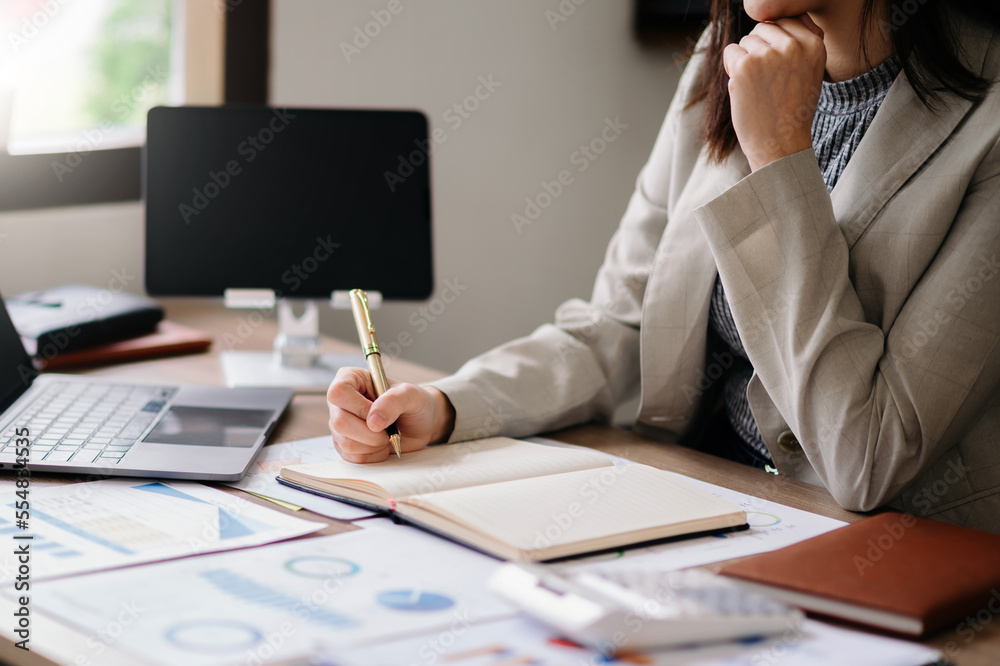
{"type": "Point", "coordinates": [96, 427]}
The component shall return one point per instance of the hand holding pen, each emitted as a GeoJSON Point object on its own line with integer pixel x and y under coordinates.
{"type": "Point", "coordinates": [360, 414]}
{"type": "Point", "coordinates": [369, 345]}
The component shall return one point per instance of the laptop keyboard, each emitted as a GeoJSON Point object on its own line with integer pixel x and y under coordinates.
{"type": "Point", "coordinates": [86, 422]}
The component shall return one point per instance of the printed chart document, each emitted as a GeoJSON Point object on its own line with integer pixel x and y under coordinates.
{"type": "Point", "coordinates": [274, 602]}
{"type": "Point", "coordinates": [526, 501]}
{"type": "Point", "coordinates": [104, 524]}
{"type": "Point", "coordinates": [260, 480]}
{"type": "Point", "coordinates": [519, 641]}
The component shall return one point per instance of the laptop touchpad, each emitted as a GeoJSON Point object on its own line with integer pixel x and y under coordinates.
{"type": "Point", "coordinates": [210, 426]}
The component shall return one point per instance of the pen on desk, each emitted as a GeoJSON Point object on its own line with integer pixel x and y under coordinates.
{"type": "Point", "coordinates": [369, 345]}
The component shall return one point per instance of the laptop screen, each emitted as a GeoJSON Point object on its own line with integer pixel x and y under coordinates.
{"type": "Point", "coordinates": [16, 370]}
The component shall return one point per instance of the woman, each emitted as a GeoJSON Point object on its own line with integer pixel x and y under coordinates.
{"type": "Point", "coordinates": [808, 266]}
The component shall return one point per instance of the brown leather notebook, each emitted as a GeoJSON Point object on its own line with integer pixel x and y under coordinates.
{"type": "Point", "coordinates": [168, 338]}
{"type": "Point", "coordinates": [894, 571]}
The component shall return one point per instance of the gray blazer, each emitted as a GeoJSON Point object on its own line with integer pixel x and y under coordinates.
{"type": "Point", "coordinates": [870, 314]}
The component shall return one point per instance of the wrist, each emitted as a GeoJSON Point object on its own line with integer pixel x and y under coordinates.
{"type": "Point", "coordinates": [444, 416]}
{"type": "Point", "coordinates": [773, 151]}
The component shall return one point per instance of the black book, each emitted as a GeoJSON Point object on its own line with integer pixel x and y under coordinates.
{"type": "Point", "coordinates": [73, 317]}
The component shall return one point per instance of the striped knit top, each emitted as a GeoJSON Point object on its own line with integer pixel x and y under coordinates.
{"type": "Point", "coordinates": [843, 115]}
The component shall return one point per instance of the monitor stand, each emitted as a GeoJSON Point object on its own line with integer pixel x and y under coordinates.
{"type": "Point", "coordinates": [297, 361]}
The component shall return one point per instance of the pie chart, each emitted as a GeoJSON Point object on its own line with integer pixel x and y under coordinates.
{"type": "Point", "coordinates": [318, 566]}
{"type": "Point", "coordinates": [414, 600]}
{"type": "Point", "coordinates": [761, 519]}
{"type": "Point", "coordinates": [208, 636]}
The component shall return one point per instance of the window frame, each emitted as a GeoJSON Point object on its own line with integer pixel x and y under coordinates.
{"type": "Point", "coordinates": [54, 180]}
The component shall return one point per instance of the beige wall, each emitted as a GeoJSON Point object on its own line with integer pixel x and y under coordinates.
{"type": "Point", "coordinates": [557, 89]}
{"type": "Point", "coordinates": [89, 245]}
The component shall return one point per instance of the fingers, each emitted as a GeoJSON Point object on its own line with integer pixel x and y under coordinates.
{"type": "Point", "coordinates": [772, 34]}
{"type": "Point", "coordinates": [790, 35]}
{"type": "Point", "coordinates": [358, 424]}
{"type": "Point", "coordinates": [773, 47]}
{"type": "Point", "coordinates": [787, 35]}
{"type": "Point", "coordinates": [352, 435]}
{"type": "Point", "coordinates": [732, 55]}
{"type": "Point", "coordinates": [754, 44]}
{"type": "Point", "coordinates": [346, 426]}
{"type": "Point", "coordinates": [398, 400]}
{"type": "Point", "coordinates": [354, 452]}
{"type": "Point", "coordinates": [350, 390]}
{"type": "Point", "coordinates": [349, 407]}
{"type": "Point", "coordinates": [801, 33]}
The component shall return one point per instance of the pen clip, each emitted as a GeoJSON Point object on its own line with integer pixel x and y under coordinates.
{"type": "Point", "coordinates": [369, 343]}
{"type": "Point", "coordinates": [363, 299]}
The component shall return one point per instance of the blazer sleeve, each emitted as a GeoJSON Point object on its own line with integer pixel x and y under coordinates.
{"type": "Point", "coordinates": [868, 412]}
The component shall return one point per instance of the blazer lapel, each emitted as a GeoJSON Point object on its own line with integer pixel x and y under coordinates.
{"type": "Point", "coordinates": [902, 137]}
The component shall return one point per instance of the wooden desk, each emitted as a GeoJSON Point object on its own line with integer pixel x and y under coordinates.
{"type": "Point", "coordinates": [307, 417]}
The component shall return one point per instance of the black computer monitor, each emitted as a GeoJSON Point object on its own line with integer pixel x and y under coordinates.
{"type": "Point", "coordinates": [303, 202]}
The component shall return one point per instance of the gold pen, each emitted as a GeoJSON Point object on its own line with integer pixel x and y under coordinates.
{"type": "Point", "coordinates": [369, 345]}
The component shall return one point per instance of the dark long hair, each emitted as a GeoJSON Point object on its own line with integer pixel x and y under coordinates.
{"type": "Point", "coordinates": [924, 40]}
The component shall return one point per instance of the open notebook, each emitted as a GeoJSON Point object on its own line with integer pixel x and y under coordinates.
{"type": "Point", "coordinates": [524, 501]}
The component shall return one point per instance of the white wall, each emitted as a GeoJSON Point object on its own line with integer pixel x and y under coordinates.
{"type": "Point", "coordinates": [89, 244]}
{"type": "Point", "coordinates": [556, 89]}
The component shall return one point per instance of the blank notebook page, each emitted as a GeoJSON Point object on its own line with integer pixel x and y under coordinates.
{"type": "Point", "coordinates": [578, 506]}
{"type": "Point", "coordinates": [460, 465]}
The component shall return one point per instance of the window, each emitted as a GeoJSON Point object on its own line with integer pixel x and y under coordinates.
{"type": "Point", "coordinates": [77, 77]}
{"type": "Point", "coordinates": [83, 74]}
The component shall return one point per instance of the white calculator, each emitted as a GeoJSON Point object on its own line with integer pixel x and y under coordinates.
{"type": "Point", "coordinates": [631, 609]}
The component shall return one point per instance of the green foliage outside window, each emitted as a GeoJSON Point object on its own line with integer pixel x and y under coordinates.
{"type": "Point", "coordinates": [130, 62]}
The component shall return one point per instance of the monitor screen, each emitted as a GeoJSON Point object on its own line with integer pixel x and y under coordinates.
{"type": "Point", "coordinates": [301, 201]}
